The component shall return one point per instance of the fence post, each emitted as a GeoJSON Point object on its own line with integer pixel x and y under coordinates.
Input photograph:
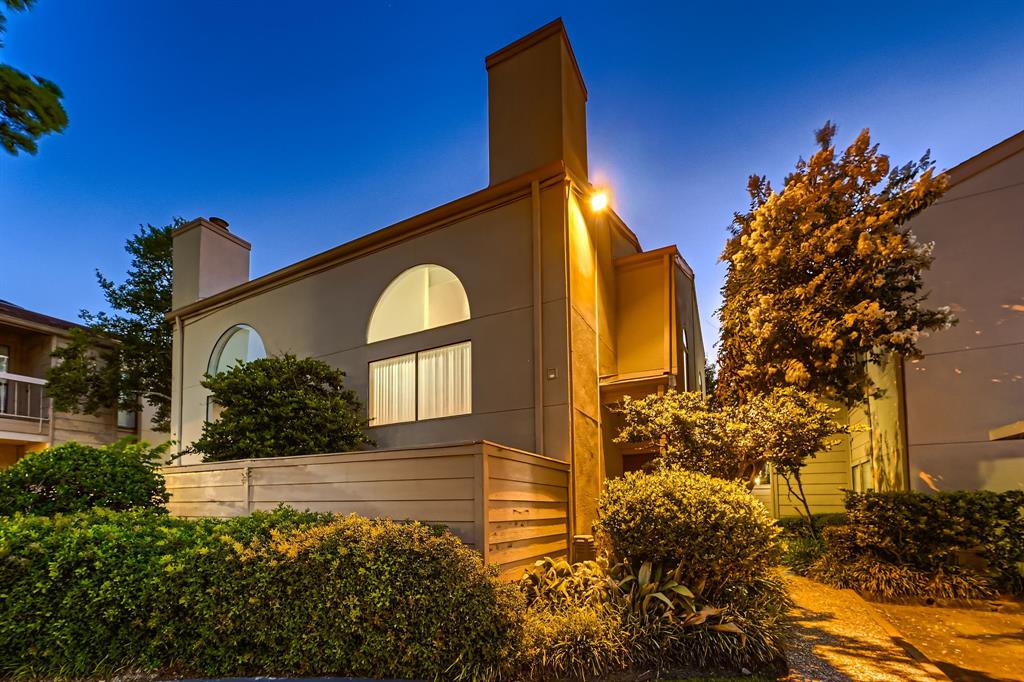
{"type": "Point", "coordinates": [247, 482]}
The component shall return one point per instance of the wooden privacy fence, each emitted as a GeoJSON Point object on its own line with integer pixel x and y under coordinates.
{"type": "Point", "coordinates": [510, 505]}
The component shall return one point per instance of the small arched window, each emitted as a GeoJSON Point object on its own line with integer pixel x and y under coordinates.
{"type": "Point", "coordinates": [241, 343]}
{"type": "Point", "coordinates": [422, 297]}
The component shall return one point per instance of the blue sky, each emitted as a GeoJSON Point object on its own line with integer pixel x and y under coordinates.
{"type": "Point", "coordinates": [310, 124]}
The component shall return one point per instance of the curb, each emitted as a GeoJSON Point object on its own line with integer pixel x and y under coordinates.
{"type": "Point", "coordinates": [899, 639]}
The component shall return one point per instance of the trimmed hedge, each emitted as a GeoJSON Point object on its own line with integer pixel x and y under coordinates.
{"type": "Point", "coordinates": [284, 593]}
{"type": "Point", "coordinates": [913, 544]}
{"type": "Point", "coordinates": [73, 477]}
{"type": "Point", "coordinates": [690, 585]}
{"type": "Point", "coordinates": [715, 528]}
{"type": "Point", "coordinates": [797, 525]}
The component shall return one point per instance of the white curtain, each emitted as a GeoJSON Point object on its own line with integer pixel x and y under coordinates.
{"type": "Point", "coordinates": [445, 381]}
{"type": "Point", "coordinates": [393, 390]}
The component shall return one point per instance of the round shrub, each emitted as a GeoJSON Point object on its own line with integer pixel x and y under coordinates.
{"type": "Point", "coordinates": [715, 528]}
{"type": "Point", "coordinates": [284, 592]}
{"type": "Point", "coordinates": [282, 406]}
{"type": "Point", "coordinates": [74, 477]}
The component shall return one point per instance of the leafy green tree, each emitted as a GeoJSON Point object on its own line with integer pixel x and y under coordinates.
{"type": "Point", "coordinates": [824, 275]}
{"type": "Point", "coordinates": [280, 406]}
{"type": "Point", "coordinates": [120, 360]}
{"type": "Point", "coordinates": [693, 433]}
{"type": "Point", "coordinates": [30, 106]}
{"type": "Point", "coordinates": [793, 426]}
{"type": "Point", "coordinates": [710, 378]}
{"type": "Point", "coordinates": [783, 429]}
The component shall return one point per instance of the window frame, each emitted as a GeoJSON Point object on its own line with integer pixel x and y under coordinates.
{"type": "Point", "coordinates": [222, 343]}
{"type": "Point", "coordinates": [381, 298]}
{"type": "Point", "coordinates": [416, 384]}
{"type": "Point", "coordinates": [133, 426]}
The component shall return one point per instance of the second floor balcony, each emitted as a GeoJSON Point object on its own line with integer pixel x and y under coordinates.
{"type": "Point", "coordinates": [24, 399]}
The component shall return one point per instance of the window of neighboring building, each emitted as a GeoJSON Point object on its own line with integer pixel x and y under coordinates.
{"type": "Point", "coordinates": [422, 297]}
{"type": "Point", "coordinates": [861, 477]}
{"type": "Point", "coordinates": [127, 419]}
{"type": "Point", "coordinates": [241, 343]}
{"type": "Point", "coordinates": [426, 385]}
{"type": "Point", "coordinates": [764, 478]}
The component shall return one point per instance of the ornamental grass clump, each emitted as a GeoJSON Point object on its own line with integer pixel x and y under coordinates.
{"type": "Point", "coordinates": [284, 593]}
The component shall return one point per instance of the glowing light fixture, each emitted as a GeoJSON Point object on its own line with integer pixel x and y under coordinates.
{"type": "Point", "coordinates": [599, 201]}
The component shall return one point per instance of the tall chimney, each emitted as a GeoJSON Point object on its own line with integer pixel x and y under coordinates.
{"type": "Point", "coordinates": [537, 105]}
{"type": "Point", "coordinates": [207, 259]}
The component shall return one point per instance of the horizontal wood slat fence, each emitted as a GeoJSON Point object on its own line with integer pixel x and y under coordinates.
{"type": "Point", "coordinates": [510, 505]}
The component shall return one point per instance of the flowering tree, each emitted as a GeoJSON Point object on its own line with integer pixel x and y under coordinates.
{"type": "Point", "coordinates": [825, 275]}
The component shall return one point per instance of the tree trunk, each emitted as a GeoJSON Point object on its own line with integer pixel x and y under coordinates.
{"type": "Point", "coordinates": [802, 496]}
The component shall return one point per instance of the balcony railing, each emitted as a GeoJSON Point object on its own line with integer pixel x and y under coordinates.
{"type": "Point", "coordinates": [23, 397]}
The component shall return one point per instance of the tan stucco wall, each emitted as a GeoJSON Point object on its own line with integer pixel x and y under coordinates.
{"type": "Point", "coordinates": [207, 259]}
{"type": "Point", "coordinates": [538, 268]}
{"type": "Point", "coordinates": [586, 308]}
{"type": "Point", "coordinates": [643, 306]}
{"type": "Point", "coordinates": [325, 316]}
{"type": "Point", "coordinates": [972, 376]}
{"type": "Point", "coordinates": [536, 109]}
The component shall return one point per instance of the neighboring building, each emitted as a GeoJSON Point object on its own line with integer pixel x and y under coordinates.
{"type": "Point", "coordinates": [965, 398]}
{"type": "Point", "coordinates": [953, 420]}
{"type": "Point", "coordinates": [518, 314]}
{"type": "Point", "coordinates": [27, 421]}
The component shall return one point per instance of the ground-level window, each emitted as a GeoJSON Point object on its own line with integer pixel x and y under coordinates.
{"type": "Point", "coordinates": [425, 385]}
{"type": "Point", "coordinates": [861, 476]}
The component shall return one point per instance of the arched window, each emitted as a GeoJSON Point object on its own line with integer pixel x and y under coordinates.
{"type": "Point", "coordinates": [422, 297]}
{"type": "Point", "coordinates": [241, 343]}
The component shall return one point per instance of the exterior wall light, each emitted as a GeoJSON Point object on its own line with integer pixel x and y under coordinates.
{"type": "Point", "coordinates": [598, 201]}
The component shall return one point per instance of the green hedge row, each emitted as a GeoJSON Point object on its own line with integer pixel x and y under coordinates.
{"type": "Point", "coordinates": [74, 477]}
{"type": "Point", "coordinates": [955, 544]}
{"type": "Point", "coordinates": [284, 593]}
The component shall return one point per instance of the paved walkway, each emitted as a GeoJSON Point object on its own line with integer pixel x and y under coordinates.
{"type": "Point", "coordinates": [838, 639]}
{"type": "Point", "coordinates": [969, 645]}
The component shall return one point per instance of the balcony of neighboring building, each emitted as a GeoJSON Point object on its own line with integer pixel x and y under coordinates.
{"type": "Point", "coordinates": [24, 403]}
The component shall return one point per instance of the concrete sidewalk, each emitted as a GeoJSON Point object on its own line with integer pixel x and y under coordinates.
{"type": "Point", "coordinates": [839, 638]}
{"type": "Point", "coordinates": [969, 645]}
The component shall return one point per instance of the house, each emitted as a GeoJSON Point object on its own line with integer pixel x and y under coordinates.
{"type": "Point", "coordinates": [27, 420]}
{"type": "Point", "coordinates": [508, 321]}
{"type": "Point", "coordinates": [953, 419]}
